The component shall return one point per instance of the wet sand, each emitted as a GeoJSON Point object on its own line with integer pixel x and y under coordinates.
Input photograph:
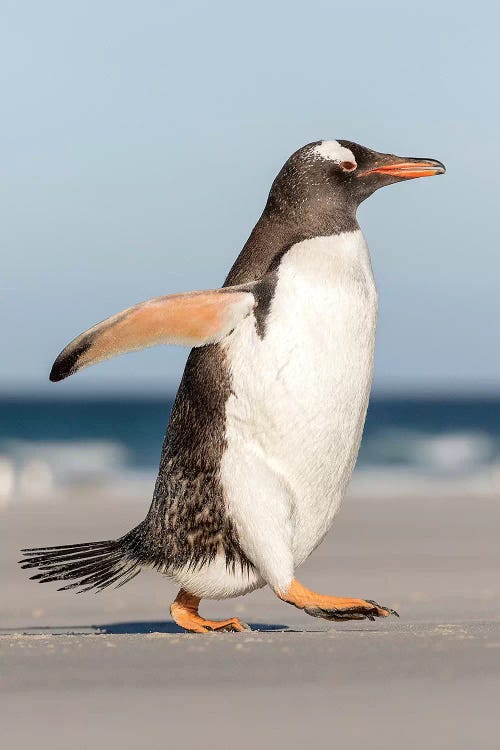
{"type": "Point", "coordinates": [111, 670]}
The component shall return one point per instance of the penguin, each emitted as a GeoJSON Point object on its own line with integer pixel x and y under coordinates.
{"type": "Point", "coordinates": [268, 418]}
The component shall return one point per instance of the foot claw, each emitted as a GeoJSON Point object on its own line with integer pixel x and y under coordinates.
{"type": "Point", "coordinates": [385, 609]}
{"type": "Point", "coordinates": [236, 626]}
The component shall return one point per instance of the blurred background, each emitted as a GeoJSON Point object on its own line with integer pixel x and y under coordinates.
{"type": "Point", "coordinates": [139, 143]}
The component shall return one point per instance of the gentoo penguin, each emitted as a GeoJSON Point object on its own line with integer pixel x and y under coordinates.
{"type": "Point", "coordinates": [268, 418]}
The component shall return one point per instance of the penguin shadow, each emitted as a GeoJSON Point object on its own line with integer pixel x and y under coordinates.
{"type": "Point", "coordinates": [159, 626]}
{"type": "Point", "coordinates": [169, 626]}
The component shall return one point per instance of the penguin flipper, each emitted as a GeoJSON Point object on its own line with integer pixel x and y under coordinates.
{"type": "Point", "coordinates": [192, 319]}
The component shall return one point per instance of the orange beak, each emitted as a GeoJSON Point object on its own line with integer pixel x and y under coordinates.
{"type": "Point", "coordinates": [409, 168]}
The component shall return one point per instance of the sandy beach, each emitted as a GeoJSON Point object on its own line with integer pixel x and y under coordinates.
{"type": "Point", "coordinates": [113, 670]}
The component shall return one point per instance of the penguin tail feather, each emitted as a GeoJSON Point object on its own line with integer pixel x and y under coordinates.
{"type": "Point", "coordinates": [92, 565]}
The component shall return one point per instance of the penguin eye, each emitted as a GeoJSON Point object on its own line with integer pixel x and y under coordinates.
{"type": "Point", "coordinates": [348, 166]}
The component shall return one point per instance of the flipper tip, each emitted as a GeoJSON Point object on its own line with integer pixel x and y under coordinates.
{"type": "Point", "coordinates": [59, 371]}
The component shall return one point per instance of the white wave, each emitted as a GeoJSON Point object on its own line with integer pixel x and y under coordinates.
{"type": "Point", "coordinates": [395, 463]}
{"type": "Point", "coordinates": [449, 453]}
{"type": "Point", "coordinates": [7, 481]}
{"type": "Point", "coordinates": [36, 470]}
{"type": "Point", "coordinates": [403, 482]}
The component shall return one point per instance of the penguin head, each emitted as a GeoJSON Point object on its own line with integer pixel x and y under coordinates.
{"type": "Point", "coordinates": [333, 177]}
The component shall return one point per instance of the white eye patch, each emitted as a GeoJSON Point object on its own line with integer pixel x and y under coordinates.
{"type": "Point", "coordinates": [333, 151]}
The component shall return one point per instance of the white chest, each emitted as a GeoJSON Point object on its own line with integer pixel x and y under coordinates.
{"type": "Point", "coordinates": [300, 393]}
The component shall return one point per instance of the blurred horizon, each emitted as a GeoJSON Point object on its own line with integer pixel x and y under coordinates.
{"type": "Point", "coordinates": [151, 390]}
{"type": "Point", "coordinates": [140, 143]}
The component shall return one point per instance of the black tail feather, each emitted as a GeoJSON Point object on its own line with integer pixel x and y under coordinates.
{"type": "Point", "coordinates": [91, 565]}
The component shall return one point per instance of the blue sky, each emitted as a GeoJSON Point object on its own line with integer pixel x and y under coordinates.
{"type": "Point", "coordinates": [140, 140]}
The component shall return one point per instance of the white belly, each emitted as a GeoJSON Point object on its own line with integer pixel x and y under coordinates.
{"type": "Point", "coordinates": [300, 393]}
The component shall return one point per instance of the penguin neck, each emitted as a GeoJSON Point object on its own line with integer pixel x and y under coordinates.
{"type": "Point", "coordinates": [275, 233]}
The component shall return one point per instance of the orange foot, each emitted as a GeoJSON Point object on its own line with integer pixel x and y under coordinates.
{"type": "Point", "coordinates": [333, 607]}
{"type": "Point", "coordinates": [184, 610]}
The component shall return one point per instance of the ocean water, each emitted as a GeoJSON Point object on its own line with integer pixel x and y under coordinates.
{"type": "Point", "coordinates": [47, 442]}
